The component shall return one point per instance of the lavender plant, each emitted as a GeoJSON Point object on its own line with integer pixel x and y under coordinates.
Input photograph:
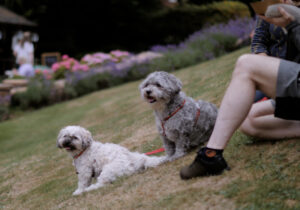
{"type": "Point", "coordinates": [239, 28]}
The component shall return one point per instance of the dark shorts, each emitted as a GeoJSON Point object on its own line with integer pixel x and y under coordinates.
{"type": "Point", "coordinates": [288, 91]}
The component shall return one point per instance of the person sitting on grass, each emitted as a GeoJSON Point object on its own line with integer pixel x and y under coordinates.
{"type": "Point", "coordinates": [279, 79]}
{"type": "Point", "coordinates": [269, 40]}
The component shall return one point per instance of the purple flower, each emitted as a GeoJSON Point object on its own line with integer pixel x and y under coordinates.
{"type": "Point", "coordinates": [5, 99]}
{"type": "Point", "coordinates": [240, 28]}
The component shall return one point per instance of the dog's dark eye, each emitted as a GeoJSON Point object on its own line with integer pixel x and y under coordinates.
{"type": "Point", "coordinates": [158, 85]}
{"type": "Point", "coordinates": [74, 137]}
{"type": "Point", "coordinates": [146, 85]}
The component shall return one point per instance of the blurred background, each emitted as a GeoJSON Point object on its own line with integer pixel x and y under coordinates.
{"type": "Point", "coordinates": [56, 50]}
{"type": "Point", "coordinates": [76, 27]}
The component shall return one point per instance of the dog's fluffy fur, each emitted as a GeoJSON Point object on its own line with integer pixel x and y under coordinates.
{"type": "Point", "coordinates": [105, 162]}
{"type": "Point", "coordinates": [163, 92]}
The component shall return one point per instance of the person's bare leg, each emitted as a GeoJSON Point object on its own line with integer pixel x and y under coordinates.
{"type": "Point", "coordinates": [261, 123]}
{"type": "Point", "coordinates": [251, 72]}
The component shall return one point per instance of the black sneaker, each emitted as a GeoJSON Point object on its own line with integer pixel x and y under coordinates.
{"type": "Point", "coordinates": [207, 162]}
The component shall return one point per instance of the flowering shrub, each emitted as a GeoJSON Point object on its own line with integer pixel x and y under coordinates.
{"type": "Point", "coordinates": [205, 44]}
{"type": "Point", "coordinates": [118, 55]}
{"type": "Point", "coordinates": [67, 64]}
{"type": "Point", "coordinates": [38, 94]}
{"type": "Point", "coordinates": [238, 28]}
{"type": "Point", "coordinates": [99, 58]}
{"type": "Point", "coordinates": [102, 70]}
{"type": "Point", "coordinates": [96, 58]}
{"type": "Point", "coordinates": [48, 74]}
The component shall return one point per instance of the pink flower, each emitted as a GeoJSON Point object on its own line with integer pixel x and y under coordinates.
{"type": "Point", "coordinates": [65, 57]}
{"type": "Point", "coordinates": [48, 76]}
{"type": "Point", "coordinates": [98, 60]}
{"type": "Point", "coordinates": [119, 53]}
{"type": "Point", "coordinates": [66, 64]}
{"type": "Point", "coordinates": [86, 58]}
{"type": "Point", "coordinates": [55, 66]}
{"type": "Point", "coordinates": [84, 67]}
{"type": "Point", "coordinates": [102, 56]}
{"type": "Point", "coordinates": [76, 67]}
{"type": "Point", "coordinates": [115, 60]}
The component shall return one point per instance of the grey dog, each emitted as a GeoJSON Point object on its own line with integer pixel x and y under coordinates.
{"type": "Point", "coordinates": [182, 122]}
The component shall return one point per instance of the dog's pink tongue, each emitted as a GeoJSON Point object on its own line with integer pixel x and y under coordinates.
{"type": "Point", "coordinates": [68, 148]}
{"type": "Point", "coordinates": [151, 100]}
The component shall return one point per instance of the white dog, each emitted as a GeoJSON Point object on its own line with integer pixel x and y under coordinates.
{"type": "Point", "coordinates": [105, 162]}
{"type": "Point", "coordinates": [182, 122]}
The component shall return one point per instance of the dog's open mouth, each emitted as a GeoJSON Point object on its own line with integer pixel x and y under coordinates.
{"type": "Point", "coordinates": [69, 148]}
{"type": "Point", "coordinates": [151, 100]}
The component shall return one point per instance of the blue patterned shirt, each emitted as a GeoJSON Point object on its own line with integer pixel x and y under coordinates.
{"type": "Point", "coordinates": [269, 39]}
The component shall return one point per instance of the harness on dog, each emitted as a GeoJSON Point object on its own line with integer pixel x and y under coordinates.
{"type": "Point", "coordinates": [173, 113]}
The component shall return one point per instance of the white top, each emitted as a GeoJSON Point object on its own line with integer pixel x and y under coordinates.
{"type": "Point", "coordinates": [24, 54]}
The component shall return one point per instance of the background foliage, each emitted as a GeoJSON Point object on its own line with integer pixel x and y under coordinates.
{"type": "Point", "coordinates": [205, 44]}
{"type": "Point", "coordinates": [76, 27]}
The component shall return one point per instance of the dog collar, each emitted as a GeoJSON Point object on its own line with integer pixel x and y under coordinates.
{"type": "Point", "coordinates": [77, 156]}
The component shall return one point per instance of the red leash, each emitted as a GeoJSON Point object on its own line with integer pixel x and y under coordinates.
{"type": "Point", "coordinates": [155, 151]}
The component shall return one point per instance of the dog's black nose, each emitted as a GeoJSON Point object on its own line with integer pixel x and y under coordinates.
{"type": "Point", "coordinates": [148, 92]}
{"type": "Point", "coordinates": [66, 143]}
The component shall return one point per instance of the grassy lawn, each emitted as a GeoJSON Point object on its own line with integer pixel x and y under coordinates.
{"type": "Point", "coordinates": [34, 174]}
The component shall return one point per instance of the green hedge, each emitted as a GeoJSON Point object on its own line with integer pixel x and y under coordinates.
{"type": "Point", "coordinates": [175, 24]}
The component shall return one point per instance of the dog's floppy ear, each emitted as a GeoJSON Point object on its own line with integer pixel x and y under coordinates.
{"type": "Point", "coordinates": [86, 139]}
{"type": "Point", "coordinates": [176, 83]}
{"type": "Point", "coordinates": [60, 135]}
{"type": "Point", "coordinates": [141, 85]}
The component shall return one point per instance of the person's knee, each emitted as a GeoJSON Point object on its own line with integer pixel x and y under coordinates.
{"type": "Point", "coordinates": [250, 127]}
{"type": "Point", "coordinates": [243, 66]}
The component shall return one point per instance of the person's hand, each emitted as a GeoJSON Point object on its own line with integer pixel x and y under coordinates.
{"type": "Point", "coordinates": [282, 21]}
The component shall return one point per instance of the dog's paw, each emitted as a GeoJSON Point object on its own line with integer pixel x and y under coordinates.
{"type": "Point", "coordinates": [77, 192]}
{"type": "Point", "coordinates": [175, 156]}
{"type": "Point", "coordinates": [164, 159]}
{"type": "Point", "coordinates": [170, 158]}
{"type": "Point", "coordinates": [93, 187]}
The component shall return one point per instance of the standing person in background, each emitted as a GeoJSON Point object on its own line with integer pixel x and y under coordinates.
{"type": "Point", "coordinates": [29, 47]}
{"type": "Point", "coordinates": [24, 50]}
{"type": "Point", "coordinates": [24, 53]}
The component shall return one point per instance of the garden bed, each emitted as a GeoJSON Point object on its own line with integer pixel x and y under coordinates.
{"type": "Point", "coordinates": [72, 78]}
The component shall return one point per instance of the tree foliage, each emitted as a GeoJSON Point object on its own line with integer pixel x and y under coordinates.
{"type": "Point", "coordinates": [79, 26]}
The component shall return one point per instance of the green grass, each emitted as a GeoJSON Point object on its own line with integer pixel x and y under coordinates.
{"type": "Point", "coordinates": [35, 174]}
